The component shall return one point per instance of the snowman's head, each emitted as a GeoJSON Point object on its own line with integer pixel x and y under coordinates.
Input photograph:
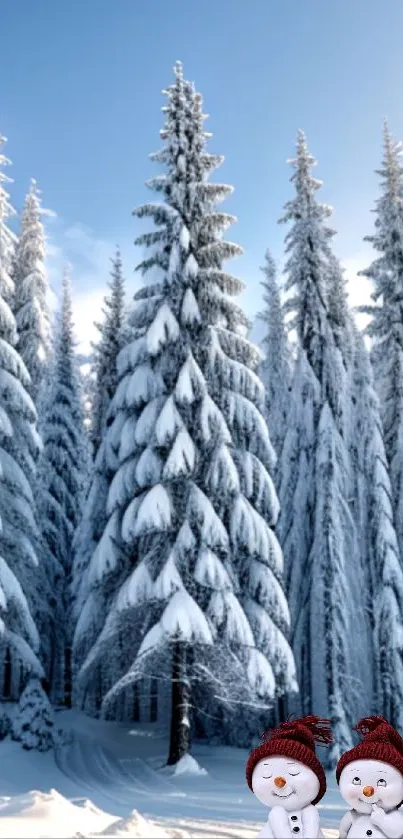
{"type": "Point", "coordinates": [367, 782]}
{"type": "Point", "coordinates": [279, 780]}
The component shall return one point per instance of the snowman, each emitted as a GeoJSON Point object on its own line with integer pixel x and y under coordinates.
{"type": "Point", "coordinates": [370, 778]}
{"type": "Point", "coordinates": [285, 774]}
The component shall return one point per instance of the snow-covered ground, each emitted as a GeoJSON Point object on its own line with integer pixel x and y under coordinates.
{"type": "Point", "coordinates": [110, 770]}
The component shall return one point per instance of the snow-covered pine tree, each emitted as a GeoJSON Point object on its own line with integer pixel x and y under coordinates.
{"type": "Point", "coordinates": [30, 304]}
{"type": "Point", "coordinates": [88, 610]}
{"type": "Point", "coordinates": [382, 575]}
{"type": "Point", "coordinates": [19, 442]}
{"type": "Point", "coordinates": [386, 326]}
{"type": "Point", "coordinates": [106, 351]}
{"type": "Point", "coordinates": [352, 425]}
{"type": "Point", "coordinates": [31, 310]}
{"type": "Point", "coordinates": [198, 587]}
{"type": "Point", "coordinates": [33, 725]}
{"type": "Point", "coordinates": [275, 370]}
{"type": "Point", "coordinates": [375, 576]}
{"type": "Point", "coordinates": [315, 529]}
{"type": "Point", "coordinates": [62, 473]}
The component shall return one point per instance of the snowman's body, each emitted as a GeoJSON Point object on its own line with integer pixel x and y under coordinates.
{"type": "Point", "coordinates": [374, 791]}
{"type": "Point", "coordinates": [288, 787]}
{"type": "Point", "coordinates": [362, 826]}
{"type": "Point", "coordinates": [301, 824]}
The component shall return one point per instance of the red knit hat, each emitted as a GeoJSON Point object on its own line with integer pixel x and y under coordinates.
{"type": "Point", "coordinates": [295, 739]}
{"type": "Point", "coordinates": [380, 742]}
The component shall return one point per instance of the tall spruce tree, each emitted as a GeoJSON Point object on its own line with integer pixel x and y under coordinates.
{"type": "Point", "coordinates": [353, 427]}
{"type": "Point", "coordinates": [381, 574]}
{"type": "Point", "coordinates": [19, 442]}
{"type": "Point", "coordinates": [316, 529]}
{"type": "Point", "coordinates": [275, 370]}
{"type": "Point", "coordinates": [31, 311]}
{"type": "Point", "coordinates": [106, 352]}
{"type": "Point", "coordinates": [386, 326]}
{"type": "Point", "coordinates": [195, 565]}
{"type": "Point", "coordinates": [30, 303]}
{"type": "Point", "coordinates": [63, 469]}
{"type": "Point", "coordinates": [374, 578]}
{"type": "Point", "coordinates": [88, 603]}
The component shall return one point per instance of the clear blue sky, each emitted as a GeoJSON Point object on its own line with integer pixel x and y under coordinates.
{"type": "Point", "coordinates": [80, 104]}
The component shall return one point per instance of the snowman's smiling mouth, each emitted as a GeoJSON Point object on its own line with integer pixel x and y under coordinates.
{"type": "Point", "coordinates": [277, 794]}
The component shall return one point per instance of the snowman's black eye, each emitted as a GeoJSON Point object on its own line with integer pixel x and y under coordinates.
{"type": "Point", "coordinates": [381, 782]}
{"type": "Point", "coordinates": [356, 780]}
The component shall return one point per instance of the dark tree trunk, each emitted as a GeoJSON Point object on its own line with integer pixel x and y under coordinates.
{"type": "Point", "coordinates": [282, 709]}
{"type": "Point", "coordinates": [99, 693]}
{"type": "Point", "coordinates": [154, 700]}
{"type": "Point", "coordinates": [136, 703]}
{"type": "Point", "coordinates": [67, 677]}
{"type": "Point", "coordinates": [180, 723]}
{"type": "Point", "coordinates": [7, 675]}
{"type": "Point", "coordinates": [51, 672]}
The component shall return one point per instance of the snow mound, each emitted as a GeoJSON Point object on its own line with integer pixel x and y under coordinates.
{"type": "Point", "coordinates": [187, 765]}
{"type": "Point", "coordinates": [136, 827]}
{"type": "Point", "coordinates": [39, 814]}
{"type": "Point", "coordinates": [45, 815]}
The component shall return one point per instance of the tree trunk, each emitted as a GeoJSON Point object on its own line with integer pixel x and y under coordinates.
{"type": "Point", "coordinates": [180, 723]}
{"type": "Point", "coordinates": [51, 670]}
{"type": "Point", "coordinates": [7, 675]}
{"type": "Point", "coordinates": [136, 703]}
{"type": "Point", "coordinates": [153, 700]}
{"type": "Point", "coordinates": [282, 709]}
{"type": "Point", "coordinates": [67, 677]}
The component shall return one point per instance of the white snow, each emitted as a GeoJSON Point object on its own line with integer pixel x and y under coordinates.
{"type": "Point", "coordinates": [188, 766]}
{"type": "Point", "coordinates": [51, 815]}
{"type": "Point", "coordinates": [110, 780]}
{"type": "Point", "coordinates": [211, 526]}
{"type": "Point", "coordinates": [184, 238]}
{"type": "Point", "coordinates": [184, 618]}
{"type": "Point", "coordinates": [181, 459]}
{"type": "Point", "coordinates": [146, 421]}
{"type": "Point", "coordinates": [154, 512]}
{"type": "Point", "coordinates": [168, 422]}
{"type": "Point", "coordinates": [136, 588]}
{"type": "Point", "coordinates": [191, 267]}
{"type": "Point", "coordinates": [48, 814]}
{"type": "Point", "coordinates": [168, 581]}
{"type": "Point", "coordinates": [209, 571]}
{"type": "Point", "coordinates": [164, 328]}
{"type": "Point", "coordinates": [144, 384]}
{"type": "Point", "coordinates": [190, 312]}
{"type": "Point", "coordinates": [190, 381]}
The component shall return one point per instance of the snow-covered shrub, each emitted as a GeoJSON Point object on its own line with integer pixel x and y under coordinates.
{"type": "Point", "coordinates": [34, 722]}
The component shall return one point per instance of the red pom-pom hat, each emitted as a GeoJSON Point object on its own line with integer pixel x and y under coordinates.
{"type": "Point", "coordinates": [295, 739]}
{"type": "Point", "coordinates": [380, 741]}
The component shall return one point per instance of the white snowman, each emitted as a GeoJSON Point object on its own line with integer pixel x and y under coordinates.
{"type": "Point", "coordinates": [285, 774]}
{"type": "Point", "coordinates": [370, 777]}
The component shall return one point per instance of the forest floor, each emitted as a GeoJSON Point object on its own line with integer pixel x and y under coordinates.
{"type": "Point", "coordinates": [110, 780]}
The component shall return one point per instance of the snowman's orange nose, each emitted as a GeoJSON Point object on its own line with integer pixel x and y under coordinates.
{"type": "Point", "coordinates": [368, 791]}
{"type": "Point", "coordinates": [280, 782]}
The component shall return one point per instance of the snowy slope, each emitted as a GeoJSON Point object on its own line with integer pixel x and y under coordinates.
{"type": "Point", "coordinates": [112, 768]}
